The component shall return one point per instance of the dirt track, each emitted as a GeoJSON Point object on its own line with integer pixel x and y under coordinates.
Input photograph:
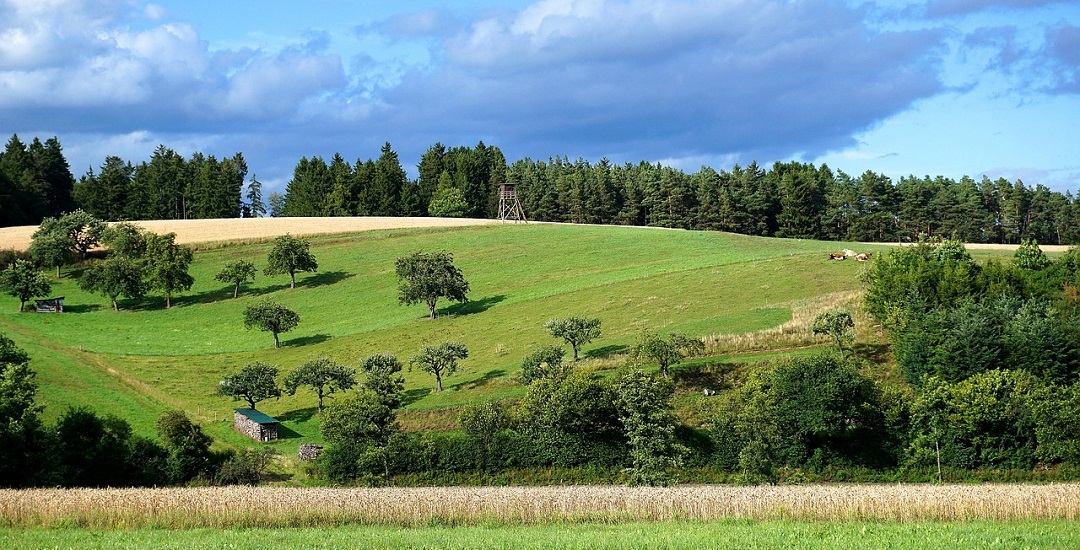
{"type": "Point", "coordinates": [201, 231]}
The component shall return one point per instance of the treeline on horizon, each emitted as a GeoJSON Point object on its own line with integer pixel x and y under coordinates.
{"type": "Point", "coordinates": [787, 199]}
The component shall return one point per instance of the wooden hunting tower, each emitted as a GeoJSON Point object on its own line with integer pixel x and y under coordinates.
{"type": "Point", "coordinates": [509, 205]}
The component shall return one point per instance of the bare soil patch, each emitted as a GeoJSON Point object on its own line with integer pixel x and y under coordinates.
{"type": "Point", "coordinates": [238, 229]}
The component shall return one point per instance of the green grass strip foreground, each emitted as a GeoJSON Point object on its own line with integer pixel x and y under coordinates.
{"type": "Point", "coordinates": [724, 534]}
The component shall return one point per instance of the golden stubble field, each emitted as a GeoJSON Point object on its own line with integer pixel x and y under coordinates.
{"type": "Point", "coordinates": [222, 507]}
{"type": "Point", "coordinates": [247, 229]}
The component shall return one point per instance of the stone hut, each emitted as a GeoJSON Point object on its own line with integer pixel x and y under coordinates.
{"type": "Point", "coordinates": [255, 424]}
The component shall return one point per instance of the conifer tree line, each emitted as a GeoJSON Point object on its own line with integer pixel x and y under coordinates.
{"type": "Point", "coordinates": [788, 199]}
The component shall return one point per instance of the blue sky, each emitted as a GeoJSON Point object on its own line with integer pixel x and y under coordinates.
{"type": "Point", "coordinates": [941, 87]}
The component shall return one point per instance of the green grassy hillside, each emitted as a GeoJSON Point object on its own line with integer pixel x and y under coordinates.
{"type": "Point", "coordinates": [137, 362]}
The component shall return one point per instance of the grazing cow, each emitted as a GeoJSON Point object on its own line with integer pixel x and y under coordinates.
{"type": "Point", "coordinates": [835, 256]}
{"type": "Point", "coordinates": [849, 252]}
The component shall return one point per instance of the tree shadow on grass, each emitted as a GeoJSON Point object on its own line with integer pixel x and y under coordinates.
{"type": "Point", "coordinates": [712, 375]}
{"type": "Point", "coordinates": [482, 381]}
{"type": "Point", "coordinates": [298, 415]}
{"type": "Point", "coordinates": [876, 353]}
{"type": "Point", "coordinates": [324, 278]}
{"type": "Point", "coordinates": [82, 308]}
{"type": "Point", "coordinates": [474, 306]}
{"type": "Point", "coordinates": [307, 340]}
{"type": "Point", "coordinates": [409, 397]}
{"type": "Point", "coordinates": [284, 432]}
{"type": "Point", "coordinates": [605, 351]}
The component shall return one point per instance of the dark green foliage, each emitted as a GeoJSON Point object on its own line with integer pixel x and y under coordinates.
{"type": "Point", "coordinates": [383, 376]}
{"type": "Point", "coordinates": [323, 376]}
{"type": "Point", "coordinates": [952, 318]}
{"type": "Point", "coordinates": [572, 421]}
{"type": "Point", "coordinates": [485, 424]}
{"type": "Point", "coordinates": [255, 382]}
{"type": "Point", "coordinates": [95, 451]}
{"type": "Point", "coordinates": [115, 277]}
{"type": "Point", "coordinates": [272, 317]}
{"type": "Point", "coordinates": [255, 206]}
{"type": "Point", "coordinates": [23, 442]}
{"type": "Point", "coordinates": [576, 331]}
{"type": "Point", "coordinates": [24, 282]}
{"type": "Point", "coordinates": [428, 276]}
{"type": "Point", "coordinates": [363, 429]}
{"type": "Point", "coordinates": [244, 467]}
{"type": "Point", "coordinates": [105, 195]}
{"type": "Point", "coordinates": [643, 402]}
{"type": "Point", "coordinates": [188, 448]}
{"type": "Point", "coordinates": [290, 255]}
{"type": "Point", "coordinates": [987, 420]}
{"type": "Point", "coordinates": [440, 360]}
{"type": "Point", "coordinates": [1057, 417]}
{"type": "Point", "coordinates": [360, 428]}
{"type": "Point", "coordinates": [544, 362]}
{"type": "Point", "coordinates": [666, 351]}
{"type": "Point", "coordinates": [809, 413]}
{"type": "Point", "coordinates": [35, 181]}
{"type": "Point", "coordinates": [306, 193]}
{"type": "Point", "coordinates": [236, 273]}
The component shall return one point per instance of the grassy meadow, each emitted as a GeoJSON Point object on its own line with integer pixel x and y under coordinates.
{"type": "Point", "coordinates": [682, 534]}
{"type": "Point", "coordinates": [745, 294]}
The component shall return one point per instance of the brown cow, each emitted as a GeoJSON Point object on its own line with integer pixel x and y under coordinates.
{"type": "Point", "coordinates": [835, 256]}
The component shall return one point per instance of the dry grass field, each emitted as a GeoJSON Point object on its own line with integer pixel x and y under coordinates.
{"type": "Point", "coordinates": [231, 507]}
{"type": "Point", "coordinates": [255, 229]}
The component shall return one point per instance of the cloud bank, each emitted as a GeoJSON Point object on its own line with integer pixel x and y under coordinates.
{"type": "Point", "coordinates": [627, 79]}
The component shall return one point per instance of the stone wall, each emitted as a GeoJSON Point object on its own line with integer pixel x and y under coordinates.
{"type": "Point", "coordinates": [253, 429]}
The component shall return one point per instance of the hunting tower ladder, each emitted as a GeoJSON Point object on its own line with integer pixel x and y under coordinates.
{"type": "Point", "coordinates": [509, 205]}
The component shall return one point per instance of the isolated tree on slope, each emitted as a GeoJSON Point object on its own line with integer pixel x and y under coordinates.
{"type": "Point", "coordinates": [237, 273]}
{"type": "Point", "coordinates": [666, 351]}
{"type": "Point", "coordinates": [168, 265]}
{"type": "Point", "coordinates": [836, 324]}
{"type": "Point", "coordinates": [439, 360]}
{"type": "Point", "coordinates": [577, 331]}
{"type": "Point", "coordinates": [255, 382]}
{"type": "Point", "coordinates": [290, 255]}
{"type": "Point", "coordinates": [428, 276]}
{"type": "Point", "coordinates": [323, 376]}
{"type": "Point", "coordinates": [271, 317]}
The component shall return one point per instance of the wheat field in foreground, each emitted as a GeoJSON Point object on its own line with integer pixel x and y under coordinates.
{"type": "Point", "coordinates": [217, 507]}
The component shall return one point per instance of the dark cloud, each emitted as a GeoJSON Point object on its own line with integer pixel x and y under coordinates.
{"type": "Point", "coordinates": [667, 79]}
{"type": "Point", "coordinates": [1063, 49]}
{"type": "Point", "coordinates": [628, 79]}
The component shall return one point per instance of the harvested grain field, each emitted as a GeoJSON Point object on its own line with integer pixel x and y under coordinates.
{"type": "Point", "coordinates": [247, 229]}
{"type": "Point", "coordinates": [226, 507]}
